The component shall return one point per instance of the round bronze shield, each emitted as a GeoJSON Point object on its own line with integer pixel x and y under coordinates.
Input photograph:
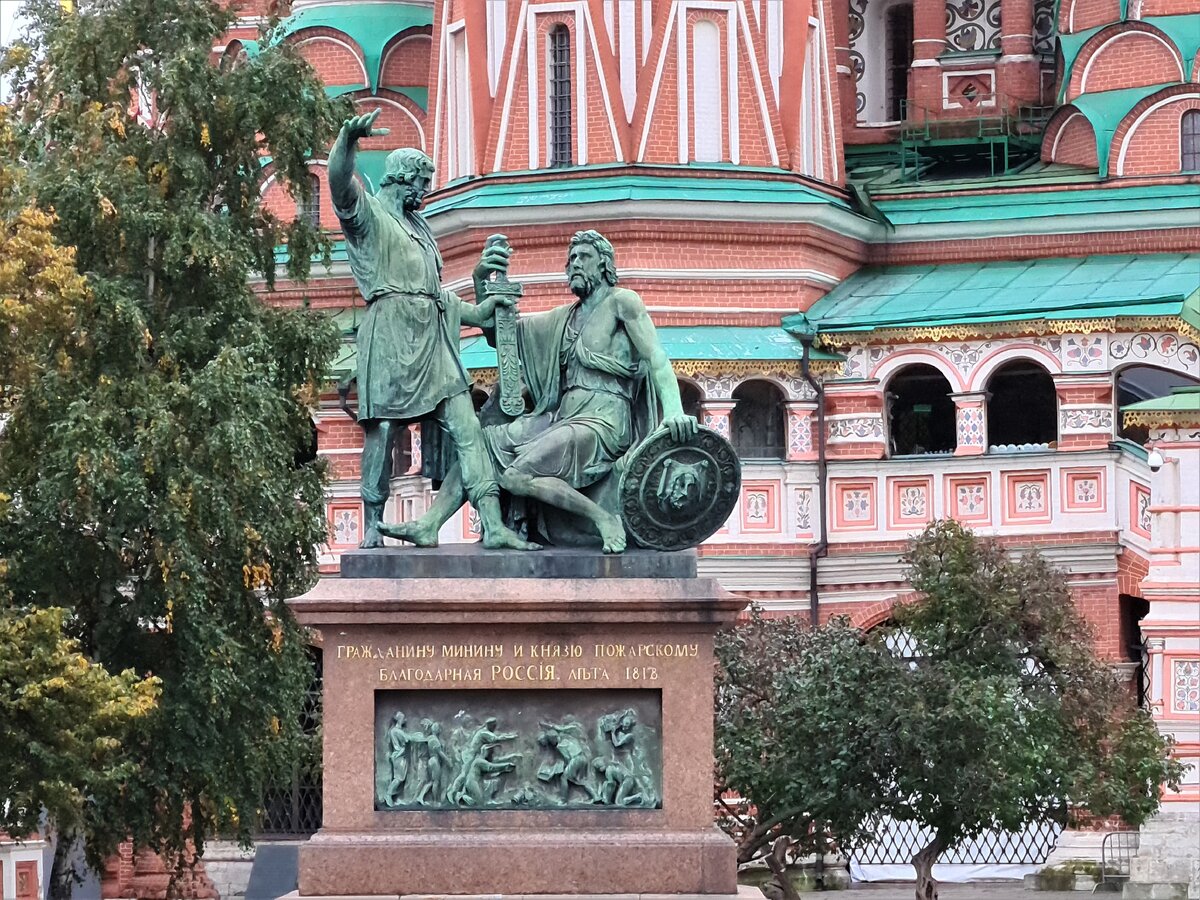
{"type": "Point", "coordinates": [674, 496]}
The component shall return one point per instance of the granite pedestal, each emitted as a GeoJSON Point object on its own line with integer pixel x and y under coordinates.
{"type": "Point", "coordinates": [516, 635]}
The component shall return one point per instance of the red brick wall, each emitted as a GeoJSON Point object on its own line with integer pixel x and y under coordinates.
{"type": "Point", "coordinates": [1168, 7]}
{"type": "Point", "coordinates": [334, 56]}
{"type": "Point", "coordinates": [1132, 55]}
{"type": "Point", "coordinates": [1073, 142]}
{"type": "Point", "coordinates": [406, 61]}
{"type": "Point", "coordinates": [1152, 146]}
{"type": "Point", "coordinates": [1079, 15]}
{"type": "Point", "coordinates": [400, 114]}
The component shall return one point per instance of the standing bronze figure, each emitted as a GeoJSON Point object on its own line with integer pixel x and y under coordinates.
{"type": "Point", "coordinates": [409, 368]}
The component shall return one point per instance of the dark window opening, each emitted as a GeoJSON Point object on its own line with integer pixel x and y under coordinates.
{"type": "Point", "coordinates": [1189, 141]}
{"type": "Point", "coordinates": [691, 398]}
{"type": "Point", "coordinates": [1137, 383]}
{"type": "Point", "coordinates": [920, 412]}
{"type": "Point", "coordinates": [899, 58]}
{"type": "Point", "coordinates": [560, 96]}
{"type": "Point", "coordinates": [1133, 646]}
{"type": "Point", "coordinates": [1023, 408]}
{"type": "Point", "coordinates": [309, 209]}
{"type": "Point", "coordinates": [757, 421]}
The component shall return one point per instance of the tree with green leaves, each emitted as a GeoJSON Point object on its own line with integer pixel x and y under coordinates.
{"type": "Point", "coordinates": [159, 458]}
{"type": "Point", "coordinates": [799, 715]}
{"type": "Point", "coordinates": [1009, 717]}
{"type": "Point", "coordinates": [1000, 714]}
{"type": "Point", "coordinates": [70, 724]}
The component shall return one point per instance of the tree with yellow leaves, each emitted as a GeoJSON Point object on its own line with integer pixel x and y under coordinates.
{"type": "Point", "coordinates": [159, 444]}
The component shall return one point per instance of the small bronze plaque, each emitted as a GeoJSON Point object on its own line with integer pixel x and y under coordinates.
{"type": "Point", "coordinates": [518, 749]}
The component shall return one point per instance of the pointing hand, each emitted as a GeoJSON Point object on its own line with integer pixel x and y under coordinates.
{"type": "Point", "coordinates": [357, 127]}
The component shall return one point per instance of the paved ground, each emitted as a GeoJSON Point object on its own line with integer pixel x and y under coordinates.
{"type": "Point", "coordinates": [986, 890]}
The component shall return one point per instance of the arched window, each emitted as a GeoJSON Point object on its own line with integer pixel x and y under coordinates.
{"type": "Point", "coordinates": [899, 50]}
{"type": "Point", "coordinates": [1189, 141]}
{"type": "Point", "coordinates": [920, 412]}
{"type": "Point", "coordinates": [309, 210]}
{"type": "Point", "coordinates": [1022, 411]}
{"type": "Point", "coordinates": [1137, 383]}
{"type": "Point", "coordinates": [559, 69]}
{"type": "Point", "coordinates": [706, 91]}
{"type": "Point", "coordinates": [757, 421]}
{"type": "Point", "coordinates": [692, 398]}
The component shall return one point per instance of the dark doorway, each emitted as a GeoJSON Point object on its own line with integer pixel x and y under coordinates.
{"type": "Point", "coordinates": [921, 413]}
{"type": "Point", "coordinates": [1023, 409]}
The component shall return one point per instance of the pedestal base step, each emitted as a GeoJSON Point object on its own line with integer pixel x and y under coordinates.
{"type": "Point", "coordinates": [744, 892]}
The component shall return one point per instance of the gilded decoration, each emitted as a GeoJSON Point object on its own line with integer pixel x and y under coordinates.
{"type": "Point", "coordinates": [842, 341]}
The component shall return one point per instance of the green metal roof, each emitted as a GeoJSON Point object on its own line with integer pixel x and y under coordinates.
{"type": "Point", "coordinates": [370, 25]}
{"type": "Point", "coordinates": [700, 342]}
{"type": "Point", "coordinates": [1181, 399]}
{"type": "Point", "coordinates": [615, 188]}
{"type": "Point", "coordinates": [1106, 109]}
{"type": "Point", "coordinates": [874, 298]}
{"type": "Point", "coordinates": [1061, 204]}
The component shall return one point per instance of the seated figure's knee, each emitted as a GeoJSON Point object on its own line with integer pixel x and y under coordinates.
{"type": "Point", "coordinates": [514, 481]}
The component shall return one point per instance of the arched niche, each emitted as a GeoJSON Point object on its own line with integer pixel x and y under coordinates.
{"type": "Point", "coordinates": [921, 417]}
{"type": "Point", "coordinates": [1022, 407]}
{"type": "Point", "coordinates": [757, 426]}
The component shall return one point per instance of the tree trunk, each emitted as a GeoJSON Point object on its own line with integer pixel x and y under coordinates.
{"type": "Point", "coordinates": [62, 873]}
{"type": "Point", "coordinates": [776, 861]}
{"type": "Point", "coordinates": [927, 888]}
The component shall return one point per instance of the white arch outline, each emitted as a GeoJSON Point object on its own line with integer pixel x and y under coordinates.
{"type": "Point", "coordinates": [1063, 127]}
{"type": "Point", "coordinates": [1031, 353]}
{"type": "Point", "coordinates": [379, 98]}
{"type": "Point", "coordinates": [325, 37]}
{"type": "Point", "coordinates": [419, 35]}
{"type": "Point", "coordinates": [1176, 54]}
{"type": "Point", "coordinates": [1165, 101]}
{"type": "Point", "coordinates": [886, 370]}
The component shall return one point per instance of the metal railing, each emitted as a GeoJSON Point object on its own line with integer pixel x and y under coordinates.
{"type": "Point", "coordinates": [1117, 850]}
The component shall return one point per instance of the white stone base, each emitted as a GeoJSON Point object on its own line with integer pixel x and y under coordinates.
{"type": "Point", "coordinates": [744, 893]}
{"type": "Point", "coordinates": [1167, 865]}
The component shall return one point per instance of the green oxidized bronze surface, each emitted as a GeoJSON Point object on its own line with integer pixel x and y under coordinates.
{"type": "Point", "coordinates": [441, 750]}
{"type": "Point", "coordinates": [508, 359]}
{"type": "Point", "coordinates": [676, 495]}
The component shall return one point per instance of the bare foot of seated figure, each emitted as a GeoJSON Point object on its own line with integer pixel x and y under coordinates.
{"type": "Point", "coordinates": [612, 533]}
{"type": "Point", "coordinates": [501, 538]}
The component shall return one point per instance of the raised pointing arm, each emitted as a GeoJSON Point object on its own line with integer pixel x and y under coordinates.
{"type": "Point", "coordinates": [341, 157]}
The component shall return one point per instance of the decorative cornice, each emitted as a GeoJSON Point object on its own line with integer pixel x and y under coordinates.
{"type": "Point", "coordinates": [969, 330]}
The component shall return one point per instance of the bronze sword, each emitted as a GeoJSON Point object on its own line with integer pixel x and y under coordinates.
{"type": "Point", "coordinates": [509, 363]}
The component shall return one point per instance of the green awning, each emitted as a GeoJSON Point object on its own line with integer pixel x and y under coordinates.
{"type": "Point", "coordinates": [1181, 407]}
{"type": "Point", "coordinates": [691, 343]}
{"type": "Point", "coordinates": [371, 25]}
{"type": "Point", "coordinates": [1105, 110]}
{"type": "Point", "coordinates": [1093, 287]}
{"type": "Point", "coordinates": [766, 344]}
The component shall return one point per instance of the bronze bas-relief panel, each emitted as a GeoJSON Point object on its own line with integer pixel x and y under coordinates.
{"type": "Point", "coordinates": [518, 749]}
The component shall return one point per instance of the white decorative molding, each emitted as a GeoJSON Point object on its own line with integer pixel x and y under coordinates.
{"type": "Point", "coordinates": [1077, 419]}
